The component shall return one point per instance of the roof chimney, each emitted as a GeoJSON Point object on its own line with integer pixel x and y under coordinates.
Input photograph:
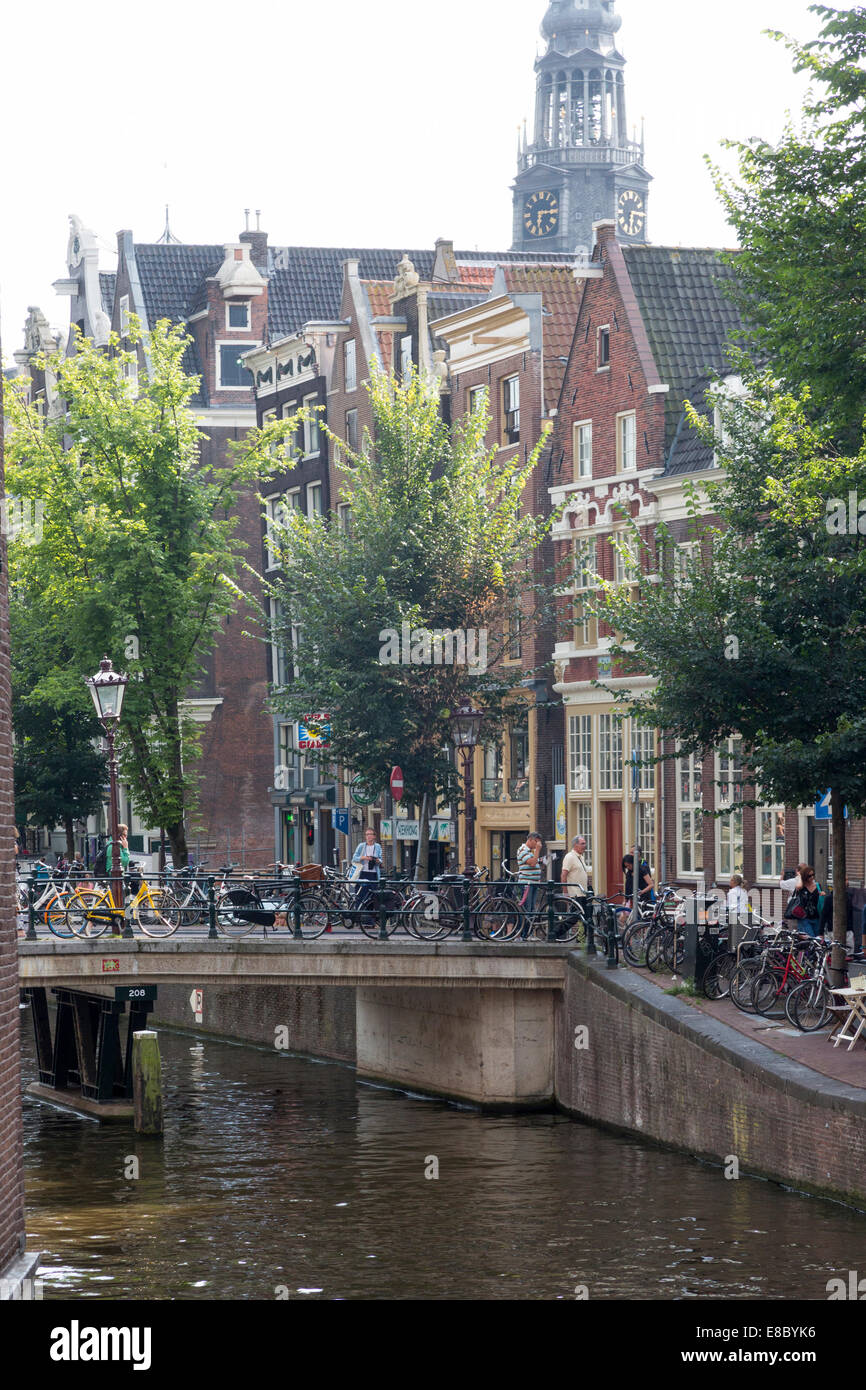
{"type": "Point", "coordinates": [258, 244]}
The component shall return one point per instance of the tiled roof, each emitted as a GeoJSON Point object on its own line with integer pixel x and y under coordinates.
{"type": "Point", "coordinates": [561, 296]}
{"type": "Point", "coordinates": [442, 303]}
{"type": "Point", "coordinates": [688, 319]}
{"type": "Point", "coordinates": [379, 294]}
{"type": "Point", "coordinates": [481, 275]}
{"type": "Point", "coordinates": [106, 290]}
{"type": "Point", "coordinates": [172, 275]}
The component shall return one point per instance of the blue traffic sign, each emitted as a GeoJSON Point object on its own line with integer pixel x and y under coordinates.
{"type": "Point", "coordinates": [822, 808]}
{"type": "Point", "coordinates": [341, 820]}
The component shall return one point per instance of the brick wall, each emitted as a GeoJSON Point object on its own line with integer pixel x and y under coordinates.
{"type": "Point", "coordinates": [657, 1068]}
{"type": "Point", "coordinates": [11, 1179]}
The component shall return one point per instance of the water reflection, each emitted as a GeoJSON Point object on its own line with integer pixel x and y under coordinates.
{"type": "Point", "coordinates": [279, 1174]}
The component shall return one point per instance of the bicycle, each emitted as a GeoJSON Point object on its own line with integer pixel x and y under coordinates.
{"type": "Point", "coordinates": [809, 1005]}
{"type": "Point", "coordinates": [90, 912]}
{"type": "Point", "coordinates": [51, 902]}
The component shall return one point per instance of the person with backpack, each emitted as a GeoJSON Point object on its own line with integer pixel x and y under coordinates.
{"type": "Point", "coordinates": [804, 904]}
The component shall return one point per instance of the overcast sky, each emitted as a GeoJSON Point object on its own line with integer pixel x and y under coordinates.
{"type": "Point", "coordinates": [348, 122]}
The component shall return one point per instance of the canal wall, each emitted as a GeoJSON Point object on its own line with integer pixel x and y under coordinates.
{"type": "Point", "coordinates": [314, 1020]}
{"type": "Point", "coordinates": [638, 1061]}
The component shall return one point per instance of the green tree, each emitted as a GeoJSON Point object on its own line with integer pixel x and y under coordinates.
{"type": "Point", "coordinates": [438, 542]}
{"type": "Point", "coordinates": [137, 556]}
{"type": "Point", "coordinates": [761, 630]}
{"type": "Point", "coordinates": [799, 210]}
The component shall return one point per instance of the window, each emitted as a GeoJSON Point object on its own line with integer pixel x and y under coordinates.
{"type": "Point", "coordinates": [311, 427]}
{"type": "Point", "coordinates": [772, 841]}
{"type": "Point", "coordinates": [344, 517]}
{"type": "Point", "coordinates": [293, 501]}
{"type": "Point", "coordinates": [477, 400]}
{"type": "Point", "coordinates": [646, 831]}
{"type": "Point", "coordinates": [584, 828]}
{"type": "Point", "coordinates": [510, 411]}
{"type": "Point", "coordinates": [491, 782]}
{"type": "Point", "coordinates": [603, 348]}
{"type": "Point", "coordinates": [626, 563]}
{"type": "Point", "coordinates": [314, 499]}
{"type": "Point", "coordinates": [405, 359]}
{"type": "Point", "coordinates": [237, 316]}
{"type": "Point", "coordinates": [515, 636]}
{"type": "Point", "coordinates": [585, 557]}
{"type": "Point", "coordinates": [626, 442]}
{"type": "Point", "coordinates": [352, 429]}
{"type": "Point", "coordinates": [690, 820]}
{"type": "Point", "coordinates": [685, 558]}
{"type": "Point", "coordinates": [583, 450]}
{"type": "Point", "coordinates": [130, 375]}
{"type": "Point", "coordinates": [233, 373]}
{"type": "Point", "coordinates": [644, 742]}
{"type": "Point", "coordinates": [350, 366]}
{"type": "Point", "coordinates": [279, 660]}
{"type": "Point", "coordinates": [124, 315]}
{"type": "Point", "coordinates": [610, 753]}
{"type": "Point", "coordinates": [292, 442]}
{"type": "Point", "coordinates": [276, 513]}
{"type": "Point", "coordinates": [580, 752]}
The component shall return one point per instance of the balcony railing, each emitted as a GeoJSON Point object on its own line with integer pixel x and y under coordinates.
{"type": "Point", "coordinates": [518, 789]}
{"type": "Point", "coordinates": [492, 789]}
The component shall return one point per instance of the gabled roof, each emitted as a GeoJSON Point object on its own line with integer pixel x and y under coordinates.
{"type": "Point", "coordinates": [561, 296]}
{"type": "Point", "coordinates": [172, 275]}
{"type": "Point", "coordinates": [106, 289]}
{"type": "Point", "coordinates": [689, 317]}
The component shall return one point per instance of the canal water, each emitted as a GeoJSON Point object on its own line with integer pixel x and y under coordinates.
{"type": "Point", "coordinates": [285, 1178]}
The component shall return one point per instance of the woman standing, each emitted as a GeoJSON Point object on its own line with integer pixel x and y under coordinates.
{"type": "Point", "coordinates": [368, 859]}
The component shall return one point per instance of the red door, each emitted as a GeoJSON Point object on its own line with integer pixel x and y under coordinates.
{"type": "Point", "coordinates": [613, 845]}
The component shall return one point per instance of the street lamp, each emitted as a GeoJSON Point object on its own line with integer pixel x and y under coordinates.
{"type": "Point", "coordinates": [465, 729]}
{"type": "Point", "coordinates": [107, 689]}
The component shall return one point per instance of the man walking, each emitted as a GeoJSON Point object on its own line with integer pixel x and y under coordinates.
{"type": "Point", "coordinates": [575, 871]}
{"type": "Point", "coordinates": [529, 873]}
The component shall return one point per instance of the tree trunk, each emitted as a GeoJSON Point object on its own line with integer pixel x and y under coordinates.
{"type": "Point", "coordinates": [177, 839]}
{"type": "Point", "coordinates": [840, 889]}
{"type": "Point", "coordinates": [69, 827]}
{"type": "Point", "coordinates": [422, 863]}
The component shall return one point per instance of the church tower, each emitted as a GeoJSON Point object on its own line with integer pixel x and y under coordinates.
{"type": "Point", "coordinates": [581, 167]}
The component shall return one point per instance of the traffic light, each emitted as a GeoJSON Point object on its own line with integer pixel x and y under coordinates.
{"type": "Point", "coordinates": [290, 818]}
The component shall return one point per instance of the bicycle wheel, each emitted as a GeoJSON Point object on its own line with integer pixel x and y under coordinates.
{"type": "Point", "coordinates": [55, 917]}
{"type": "Point", "coordinates": [158, 913]}
{"type": "Point", "coordinates": [673, 949]}
{"type": "Point", "coordinates": [234, 912]}
{"type": "Point", "coordinates": [808, 1006]}
{"type": "Point", "coordinates": [655, 949]}
{"type": "Point", "coordinates": [765, 992]}
{"type": "Point", "coordinates": [741, 985]}
{"type": "Point", "coordinates": [431, 917]}
{"type": "Point", "coordinates": [315, 916]}
{"type": "Point", "coordinates": [716, 983]}
{"type": "Point", "coordinates": [497, 919]}
{"type": "Point", "coordinates": [634, 943]}
{"type": "Point", "coordinates": [89, 913]}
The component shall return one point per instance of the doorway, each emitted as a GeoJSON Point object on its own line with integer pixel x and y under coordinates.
{"type": "Point", "coordinates": [613, 847]}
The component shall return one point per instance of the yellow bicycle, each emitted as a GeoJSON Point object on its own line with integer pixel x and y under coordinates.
{"type": "Point", "coordinates": [92, 911]}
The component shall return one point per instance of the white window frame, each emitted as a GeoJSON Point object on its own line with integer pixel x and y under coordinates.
{"type": "Point", "coordinates": [312, 429]}
{"type": "Point", "coordinates": [239, 348]}
{"type": "Point", "coordinates": [279, 655]}
{"type": "Point", "coordinates": [238, 304]}
{"type": "Point", "coordinates": [684, 555]}
{"type": "Point", "coordinates": [599, 365]}
{"type": "Point", "coordinates": [344, 516]}
{"type": "Point", "coordinates": [730, 847]}
{"type": "Point", "coordinates": [311, 489]}
{"type": "Point", "coordinates": [406, 359]}
{"type": "Point", "coordinates": [477, 395]}
{"type": "Point", "coordinates": [625, 571]}
{"type": "Point", "coordinates": [584, 823]}
{"type": "Point", "coordinates": [356, 447]}
{"type": "Point", "coordinates": [350, 365]}
{"type": "Point", "coordinates": [510, 407]}
{"type": "Point", "coordinates": [124, 315]}
{"type": "Point", "coordinates": [643, 739]}
{"type": "Point", "coordinates": [646, 831]}
{"type": "Point", "coordinates": [580, 754]}
{"type": "Point", "coordinates": [582, 449]}
{"type": "Point", "coordinates": [774, 813]}
{"type": "Point", "coordinates": [690, 811]}
{"type": "Point", "coordinates": [585, 572]}
{"type": "Point", "coordinates": [626, 462]}
{"type": "Point", "coordinates": [610, 749]}
{"type": "Point", "coordinates": [276, 515]}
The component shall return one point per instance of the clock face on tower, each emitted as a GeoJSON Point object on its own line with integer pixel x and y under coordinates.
{"type": "Point", "coordinates": [630, 212]}
{"type": "Point", "coordinates": [541, 213]}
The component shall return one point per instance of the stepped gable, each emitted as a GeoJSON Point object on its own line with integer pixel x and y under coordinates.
{"type": "Point", "coordinates": [689, 317]}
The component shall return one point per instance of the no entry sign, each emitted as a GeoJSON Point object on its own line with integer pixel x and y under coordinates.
{"type": "Point", "coordinates": [397, 783]}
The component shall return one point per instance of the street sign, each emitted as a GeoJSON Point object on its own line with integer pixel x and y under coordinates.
{"type": "Point", "coordinates": [133, 994]}
{"type": "Point", "coordinates": [408, 829]}
{"type": "Point", "coordinates": [341, 820]}
{"type": "Point", "coordinates": [397, 783]}
{"type": "Point", "coordinates": [822, 808]}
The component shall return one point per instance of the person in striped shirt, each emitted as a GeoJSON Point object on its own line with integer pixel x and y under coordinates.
{"type": "Point", "coordinates": [529, 868]}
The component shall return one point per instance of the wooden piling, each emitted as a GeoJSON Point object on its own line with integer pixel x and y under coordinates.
{"type": "Point", "coordinates": [147, 1083]}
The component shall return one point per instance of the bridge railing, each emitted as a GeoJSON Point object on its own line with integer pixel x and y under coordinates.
{"type": "Point", "coordinates": [310, 902]}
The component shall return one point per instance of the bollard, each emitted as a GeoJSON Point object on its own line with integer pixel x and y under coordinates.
{"type": "Point", "coordinates": [551, 912]}
{"type": "Point", "coordinates": [612, 941]}
{"type": "Point", "coordinates": [212, 932]}
{"type": "Point", "coordinates": [31, 910]}
{"type": "Point", "coordinates": [296, 909]}
{"type": "Point", "coordinates": [147, 1083]}
{"type": "Point", "coordinates": [467, 919]}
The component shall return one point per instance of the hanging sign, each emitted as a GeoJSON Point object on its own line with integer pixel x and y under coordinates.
{"type": "Point", "coordinates": [314, 732]}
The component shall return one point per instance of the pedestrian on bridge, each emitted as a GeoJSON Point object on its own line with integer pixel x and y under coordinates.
{"type": "Point", "coordinates": [368, 859]}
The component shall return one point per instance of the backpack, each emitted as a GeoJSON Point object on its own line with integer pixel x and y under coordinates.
{"type": "Point", "coordinates": [101, 865]}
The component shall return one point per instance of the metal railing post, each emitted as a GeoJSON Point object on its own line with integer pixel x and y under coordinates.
{"type": "Point", "coordinates": [212, 933]}
{"type": "Point", "coordinates": [31, 910]}
{"type": "Point", "coordinates": [467, 919]}
{"type": "Point", "coordinates": [551, 912]}
{"type": "Point", "coordinates": [590, 930]}
{"type": "Point", "coordinates": [383, 916]}
{"type": "Point", "coordinates": [296, 909]}
{"type": "Point", "coordinates": [612, 944]}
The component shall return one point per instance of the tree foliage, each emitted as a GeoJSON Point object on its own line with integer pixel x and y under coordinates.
{"type": "Point", "coordinates": [137, 554]}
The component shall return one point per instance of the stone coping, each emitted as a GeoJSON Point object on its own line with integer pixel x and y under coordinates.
{"type": "Point", "coordinates": [749, 1056]}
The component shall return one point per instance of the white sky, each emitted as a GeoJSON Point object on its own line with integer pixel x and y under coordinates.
{"type": "Point", "coordinates": [348, 122]}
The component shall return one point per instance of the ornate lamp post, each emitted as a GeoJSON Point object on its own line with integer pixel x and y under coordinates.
{"type": "Point", "coordinates": [465, 728]}
{"type": "Point", "coordinates": [107, 689]}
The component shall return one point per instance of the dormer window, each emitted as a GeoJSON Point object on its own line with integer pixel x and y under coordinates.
{"type": "Point", "coordinates": [238, 316]}
{"type": "Point", "coordinates": [233, 372]}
